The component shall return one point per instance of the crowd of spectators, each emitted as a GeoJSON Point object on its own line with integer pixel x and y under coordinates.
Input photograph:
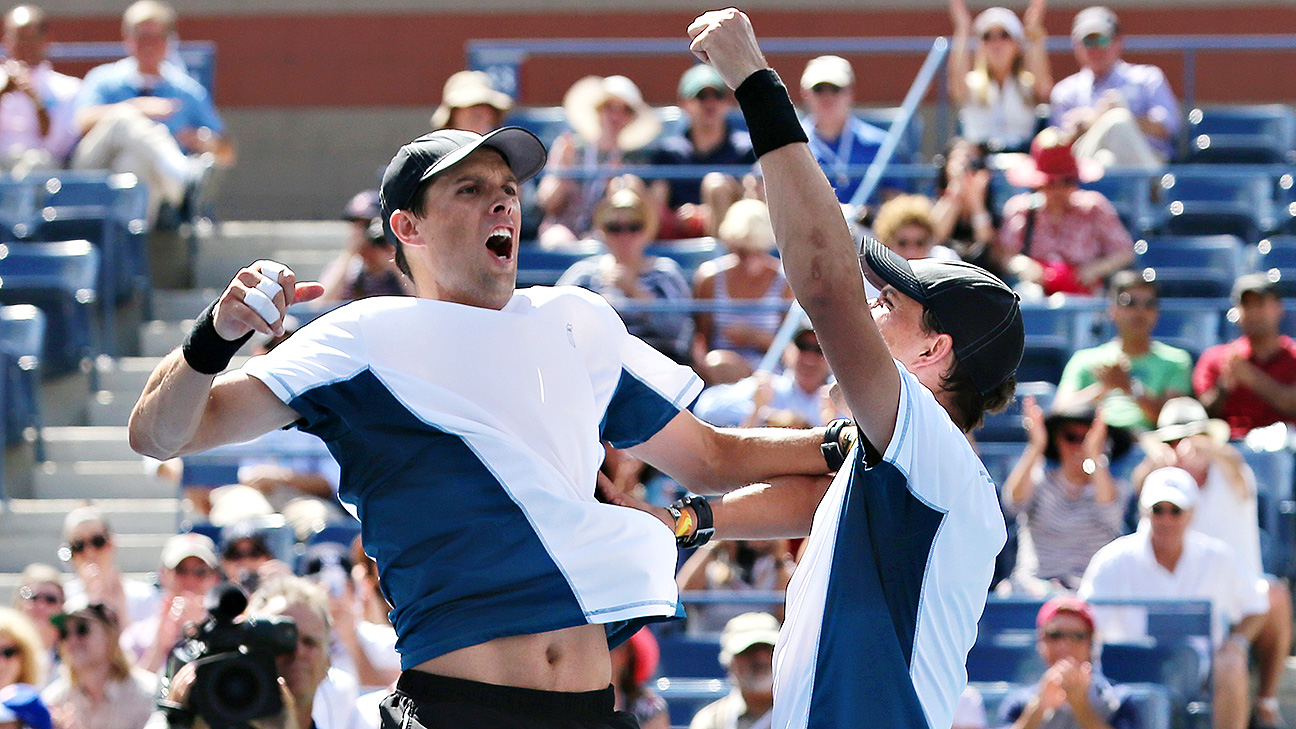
{"type": "Point", "coordinates": [1127, 486]}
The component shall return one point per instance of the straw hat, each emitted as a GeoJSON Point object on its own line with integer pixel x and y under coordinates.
{"type": "Point", "coordinates": [1183, 416]}
{"type": "Point", "coordinates": [465, 89]}
{"type": "Point", "coordinates": [582, 102]}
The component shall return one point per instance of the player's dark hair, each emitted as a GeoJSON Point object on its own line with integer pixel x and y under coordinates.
{"type": "Point", "coordinates": [970, 405]}
{"type": "Point", "coordinates": [417, 207]}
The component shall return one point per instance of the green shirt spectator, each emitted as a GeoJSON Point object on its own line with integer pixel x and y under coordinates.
{"type": "Point", "coordinates": [1162, 372]}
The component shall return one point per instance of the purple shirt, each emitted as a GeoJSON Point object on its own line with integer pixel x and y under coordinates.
{"type": "Point", "coordinates": [1144, 89]}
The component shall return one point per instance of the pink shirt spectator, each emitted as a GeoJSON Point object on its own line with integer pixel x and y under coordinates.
{"type": "Point", "coordinates": [1089, 230]}
{"type": "Point", "coordinates": [19, 126]}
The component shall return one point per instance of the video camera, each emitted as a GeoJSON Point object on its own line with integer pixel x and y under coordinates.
{"type": "Point", "coordinates": [235, 678]}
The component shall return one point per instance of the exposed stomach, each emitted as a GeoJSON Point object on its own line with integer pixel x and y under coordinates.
{"type": "Point", "coordinates": [570, 659]}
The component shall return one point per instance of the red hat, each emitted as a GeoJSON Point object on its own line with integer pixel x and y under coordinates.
{"type": "Point", "coordinates": [1051, 158]}
{"type": "Point", "coordinates": [1065, 603]}
{"type": "Point", "coordinates": [643, 646]}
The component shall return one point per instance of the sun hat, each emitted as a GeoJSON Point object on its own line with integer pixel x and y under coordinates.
{"type": "Point", "coordinates": [583, 100]}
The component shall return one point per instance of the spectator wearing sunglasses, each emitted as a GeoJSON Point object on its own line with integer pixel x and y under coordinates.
{"type": "Point", "coordinates": [97, 685]}
{"type": "Point", "coordinates": [1123, 114]}
{"type": "Point", "coordinates": [841, 142]}
{"type": "Point", "coordinates": [627, 222]}
{"type": "Point", "coordinates": [798, 397]}
{"type": "Point", "coordinates": [998, 86]}
{"type": "Point", "coordinates": [1064, 496]}
{"type": "Point", "coordinates": [246, 557]}
{"type": "Point", "coordinates": [40, 597]}
{"type": "Point", "coordinates": [1187, 437]}
{"type": "Point", "coordinates": [189, 570]}
{"type": "Point", "coordinates": [694, 207]}
{"type": "Point", "coordinates": [1072, 693]}
{"type": "Point", "coordinates": [1133, 375]}
{"type": "Point", "coordinates": [90, 549]}
{"type": "Point", "coordinates": [1167, 559]}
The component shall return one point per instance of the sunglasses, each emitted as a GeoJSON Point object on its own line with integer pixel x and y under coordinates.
{"type": "Point", "coordinates": [48, 598]}
{"type": "Point", "coordinates": [825, 89]}
{"type": "Point", "coordinates": [1125, 301]}
{"type": "Point", "coordinates": [804, 346]}
{"type": "Point", "coordinates": [709, 94]}
{"type": "Point", "coordinates": [993, 36]}
{"type": "Point", "coordinates": [79, 628]}
{"type": "Point", "coordinates": [619, 228]}
{"type": "Point", "coordinates": [199, 572]}
{"type": "Point", "coordinates": [1096, 40]}
{"type": "Point", "coordinates": [1075, 636]}
{"type": "Point", "coordinates": [10, 651]}
{"type": "Point", "coordinates": [1170, 509]}
{"type": "Point", "coordinates": [98, 541]}
{"type": "Point", "coordinates": [249, 553]}
{"type": "Point", "coordinates": [1074, 437]}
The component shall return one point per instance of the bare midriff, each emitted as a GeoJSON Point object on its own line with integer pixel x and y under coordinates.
{"type": "Point", "coordinates": [567, 660]}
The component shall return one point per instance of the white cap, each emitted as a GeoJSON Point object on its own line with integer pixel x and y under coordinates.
{"type": "Point", "coordinates": [190, 544]}
{"type": "Point", "coordinates": [1096, 20]}
{"type": "Point", "coordinates": [833, 70]}
{"type": "Point", "coordinates": [999, 18]}
{"type": "Point", "coordinates": [1170, 484]}
{"type": "Point", "coordinates": [745, 631]}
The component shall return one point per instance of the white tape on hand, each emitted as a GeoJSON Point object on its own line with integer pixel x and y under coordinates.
{"type": "Point", "coordinates": [263, 305]}
{"type": "Point", "coordinates": [268, 286]}
{"type": "Point", "coordinates": [273, 269]}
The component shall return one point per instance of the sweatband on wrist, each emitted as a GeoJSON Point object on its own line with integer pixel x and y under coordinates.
{"type": "Point", "coordinates": [205, 350]}
{"type": "Point", "coordinates": [771, 119]}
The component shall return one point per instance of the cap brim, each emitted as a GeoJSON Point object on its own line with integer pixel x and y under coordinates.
{"type": "Point", "coordinates": [882, 266]}
{"type": "Point", "coordinates": [522, 150]}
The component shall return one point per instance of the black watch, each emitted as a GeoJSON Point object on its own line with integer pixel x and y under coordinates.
{"type": "Point", "coordinates": [834, 446]}
{"type": "Point", "coordinates": [705, 527]}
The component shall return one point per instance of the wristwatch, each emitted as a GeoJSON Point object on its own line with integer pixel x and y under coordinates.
{"type": "Point", "coordinates": [688, 533]}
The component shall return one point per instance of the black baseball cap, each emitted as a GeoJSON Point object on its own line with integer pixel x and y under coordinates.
{"type": "Point", "coordinates": [975, 308]}
{"type": "Point", "coordinates": [416, 162]}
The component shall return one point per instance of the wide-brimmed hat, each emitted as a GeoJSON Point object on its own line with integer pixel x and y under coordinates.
{"type": "Point", "coordinates": [999, 18]}
{"type": "Point", "coordinates": [1051, 159]}
{"type": "Point", "coordinates": [583, 100]}
{"type": "Point", "coordinates": [465, 89]}
{"type": "Point", "coordinates": [1119, 440]}
{"type": "Point", "coordinates": [1183, 416]}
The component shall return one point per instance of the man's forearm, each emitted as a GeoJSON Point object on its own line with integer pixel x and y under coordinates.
{"type": "Point", "coordinates": [168, 412]}
{"type": "Point", "coordinates": [751, 455]}
{"type": "Point", "coordinates": [782, 509]}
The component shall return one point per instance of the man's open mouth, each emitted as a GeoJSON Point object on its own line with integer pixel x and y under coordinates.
{"type": "Point", "coordinates": [500, 242]}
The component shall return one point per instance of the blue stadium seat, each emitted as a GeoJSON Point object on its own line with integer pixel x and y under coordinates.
{"type": "Point", "coordinates": [1131, 195]}
{"type": "Point", "coordinates": [538, 267]}
{"type": "Point", "coordinates": [1277, 255]}
{"type": "Point", "coordinates": [1043, 360]}
{"type": "Point", "coordinates": [686, 696]}
{"type": "Point", "coordinates": [60, 279]}
{"type": "Point", "coordinates": [1005, 656]}
{"type": "Point", "coordinates": [1006, 426]}
{"type": "Point", "coordinates": [546, 122]}
{"type": "Point", "coordinates": [1075, 321]}
{"type": "Point", "coordinates": [1242, 134]}
{"type": "Point", "coordinates": [1201, 266]}
{"type": "Point", "coordinates": [1174, 665]}
{"type": "Point", "coordinates": [22, 340]}
{"type": "Point", "coordinates": [1239, 203]}
{"type": "Point", "coordinates": [1274, 473]}
{"type": "Point", "coordinates": [684, 656]}
{"type": "Point", "coordinates": [1191, 324]}
{"type": "Point", "coordinates": [689, 253]}
{"type": "Point", "coordinates": [910, 148]}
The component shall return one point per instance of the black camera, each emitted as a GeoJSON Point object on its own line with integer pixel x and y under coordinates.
{"type": "Point", "coordinates": [235, 678]}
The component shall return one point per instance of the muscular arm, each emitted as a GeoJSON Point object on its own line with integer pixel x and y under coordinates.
{"type": "Point", "coordinates": [781, 509]}
{"type": "Point", "coordinates": [710, 460]}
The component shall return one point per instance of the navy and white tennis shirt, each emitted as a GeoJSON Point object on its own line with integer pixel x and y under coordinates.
{"type": "Point", "coordinates": [469, 441]}
{"type": "Point", "coordinates": [884, 605]}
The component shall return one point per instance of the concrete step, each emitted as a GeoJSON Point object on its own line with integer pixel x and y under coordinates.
{"type": "Point", "coordinates": [107, 407]}
{"type": "Point", "coordinates": [254, 237]}
{"type": "Point", "coordinates": [124, 515]}
{"type": "Point", "coordinates": [126, 376]}
{"type": "Point", "coordinates": [158, 338]}
{"type": "Point", "coordinates": [88, 443]}
{"type": "Point", "coordinates": [98, 480]}
{"type": "Point", "coordinates": [178, 304]}
{"type": "Point", "coordinates": [135, 552]}
{"type": "Point", "coordinates": [215, 269]}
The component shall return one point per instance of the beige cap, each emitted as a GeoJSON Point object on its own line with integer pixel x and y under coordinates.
{"type": "Point", "coordinates": [833, 70]}
{"type": "Point", "coordinates": [745, 631]}
{"type": "Point", "coordinates": [190, 544]}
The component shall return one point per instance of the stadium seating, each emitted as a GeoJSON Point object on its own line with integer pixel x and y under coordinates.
{"type": "Point", "coordinates": [1131, 195]}
{"type": "Point", "coordinates": [1043, 360]}
{"type": "Point", "coordinates": [22, 341]}
{"type": "Point", "coordinates": [1242, 134]}
{"type": "Point", "coordinates": [1227, 202]}
{"type": "Point", "coordinates": [1274, 473]}
{"type": "Point", "coordinates": [1277, 255]}
{"type": "Point", "coordinates": [60, 279]}
{"type": "Point", "coordinates": [1006, 426]}
{"type": "Point", "coordinates": [1202, 266]}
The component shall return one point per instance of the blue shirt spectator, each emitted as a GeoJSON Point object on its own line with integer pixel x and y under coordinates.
{"type": "Point", "coordinates": [113, 83]}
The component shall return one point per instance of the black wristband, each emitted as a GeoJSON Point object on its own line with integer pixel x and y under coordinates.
{"type": "Point", "coordinates": [705, 521]}
{"type": "Point", "coordinates": [771, 119]}
{"type": "Point", "coordinates": [204, 349]}
{"type": "Point", "coordinates": [833, 451]}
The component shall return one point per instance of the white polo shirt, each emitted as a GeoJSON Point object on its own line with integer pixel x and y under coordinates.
{"type": "Point", "coordinates": [1208, 569]}
{"type": "Point", "coordinates": [884, 605]}
{"type": "Point", "coordinates": [469, 440]}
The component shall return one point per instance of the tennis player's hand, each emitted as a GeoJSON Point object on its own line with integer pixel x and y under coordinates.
{"type": "Point", "coordinates": [256, 301]}
{"type": "Point", "coordinates": [608, 493]}
{"type": "Point", "coordinates": [725, 39]}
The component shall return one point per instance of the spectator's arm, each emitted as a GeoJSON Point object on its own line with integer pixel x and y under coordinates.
{"type": "Point", "coordinates": [959, 54]}
{"type": "Point", "coordinates": [1162, 118]}
{"type": "Point", "coordinates": [1035, 54]}
{"type": "Point", "coordinates": [1021, 482]}
{"type": "Point", "coordinates": [554, 192]}
{"type": "Point", "coordinates": [692, 576]}
{"type": "Point", "coordinates": [704, 321]}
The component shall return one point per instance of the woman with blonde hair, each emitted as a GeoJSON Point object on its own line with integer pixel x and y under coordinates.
{"type": "Point", "coordinates": [22, 657]}
{"type": "Point", "coordinates": [905, 225]}
{"type": "Point", "coordinates": [97, 686]}
{"type": "Point", "coordinates": [998, 90]}
{"type": "Point", "coordinates": [748, 273]}
{"type": "Point", "coordinates": [40, 597]}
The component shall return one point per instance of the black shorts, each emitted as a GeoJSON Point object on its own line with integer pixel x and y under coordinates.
{"type": "Point", "coordinates": [426, 701]}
